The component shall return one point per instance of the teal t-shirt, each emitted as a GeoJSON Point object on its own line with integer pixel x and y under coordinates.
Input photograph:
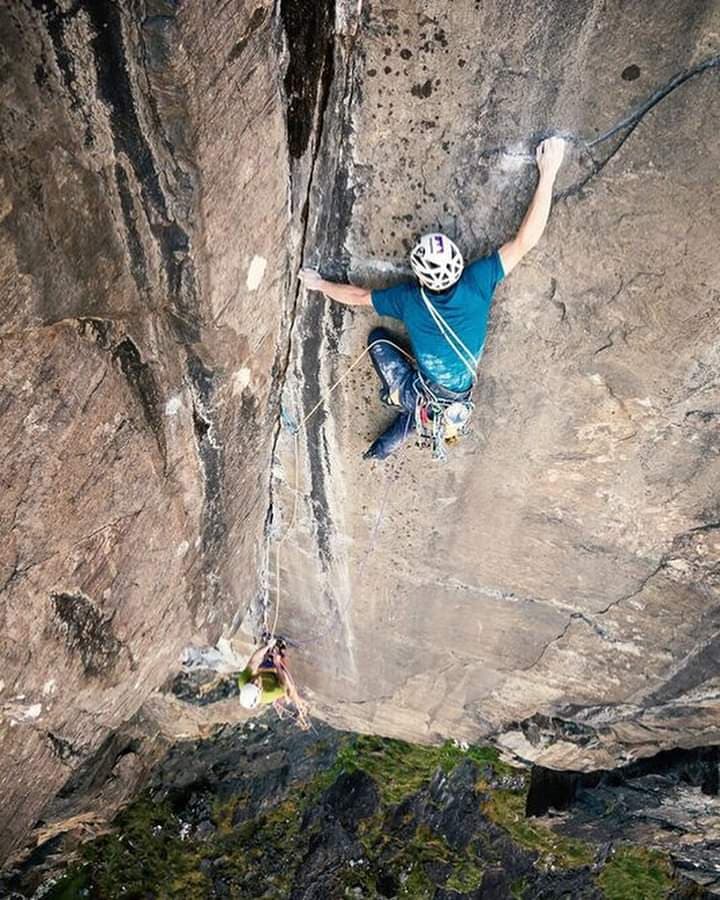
{"type": "Point", "coordinates": [465, 307]}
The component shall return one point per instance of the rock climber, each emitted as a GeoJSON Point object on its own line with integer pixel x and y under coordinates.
{"type": "Point", "coordinates": [266, 679]}
{"type": "Point", "coordinates": [446, 314]}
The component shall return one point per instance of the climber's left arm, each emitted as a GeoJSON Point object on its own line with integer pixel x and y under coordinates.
{"type": "Point", "coordinates": [549, 155]}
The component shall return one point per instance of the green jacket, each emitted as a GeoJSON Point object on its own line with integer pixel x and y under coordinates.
{"type": "Point", "coordinates": [271, 688]}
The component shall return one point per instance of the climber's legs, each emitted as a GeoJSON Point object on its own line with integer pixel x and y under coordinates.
{"type": "Point", "coordinates": [391, 438]}
{"type": "Point", "coordinates": [397, 376]}
{"type": "Point", "coordinates": [392, 367]}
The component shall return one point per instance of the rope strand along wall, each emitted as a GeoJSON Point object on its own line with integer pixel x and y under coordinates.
{"type": "Point", "coordinates": [289, 423]}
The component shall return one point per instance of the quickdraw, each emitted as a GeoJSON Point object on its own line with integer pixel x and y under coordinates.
{"type": "Point", "coordinates": [440, 422]}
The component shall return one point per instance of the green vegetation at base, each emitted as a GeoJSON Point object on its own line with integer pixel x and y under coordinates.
{"type": "Point", "coordinates": [507, 809]}
{"type": "Point", "coordinates": [150, 853]}
{"type": "Point", "coordinates": [153, 853]}
{"type": "Point", "coordinates": [412, 859]}
{"type": "Point", "coordinates": [401, 769]}
{"type": "Point", "coordinates": [637, 873]}
{"type": "Point", "coordinates": [466, 877]}
{"type": "Point", "coordinates": [71, 886]}
{"type": "Point", "coordinates": [147, 850]}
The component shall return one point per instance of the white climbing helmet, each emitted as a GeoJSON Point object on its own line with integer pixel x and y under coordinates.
{"type": "Point", "coordinates": [249, 695]}
{"type": "Point", "coordinates": [436, 261]}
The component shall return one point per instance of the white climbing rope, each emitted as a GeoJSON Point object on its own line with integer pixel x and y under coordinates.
{"type": "Point", "coordinates": [296, 467]}
{"type": "Point", "coordinates": [461, 351]}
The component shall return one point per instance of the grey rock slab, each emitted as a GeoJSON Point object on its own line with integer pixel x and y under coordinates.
{"type": "Point", "coordinates": [546, 563]}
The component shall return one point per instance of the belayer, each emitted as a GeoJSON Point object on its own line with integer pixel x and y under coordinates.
{"type": "Point", "coordinates": [446, 316]}
{"type": "Point", "coordinates": [266, 679]}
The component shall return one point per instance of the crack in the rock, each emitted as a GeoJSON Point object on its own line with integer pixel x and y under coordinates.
{"type": "Point", "coordinates": [711, 526]}
{"type": "Point", "coordinates": [558, 637]}
{"type": "Point", "coordinates": [662, 564]}
{"type": "Point", "coordinates": [601, 612]}
{"type": "Point", "coordinates": [96, 387]}
{"type": "Point", "coordinates": [558, 304]}
{"type": "Point", "coordinates": [643, 584]}
{"type": "Point", "coordinates": [139, 374]}
{"type": "Point", "coordinates": [321, 95]}
{"type": "Point", "coordinates": [20, 570]}
{"type": "Point", "coordinates": [610, 339]}
{"type": "Point", "coordinates": [109, 525]}
{"type": "Point", "coordinates": [18, 504]}
{"type": "Point", "coordinates": [629, 123]}
{"type": "Point", "coordinates": [322, 324]}
{"type": "Point", "coordinates": [626, 285]}
{"type": "Point", "coordinates": [660, 94]}
{"type": "Point", "coordinates": [494, 593]}
{"type": "Point", "coordinates": [200, 381]}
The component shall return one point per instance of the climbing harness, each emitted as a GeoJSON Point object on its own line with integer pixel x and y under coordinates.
{"type": "Point", "coordinates": [439, 421]}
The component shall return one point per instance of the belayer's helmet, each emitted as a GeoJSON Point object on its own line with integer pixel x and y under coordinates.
{"type": "Point", "coordinates": [249, 695]}
{"type": "Point", "coordinates": [436, 261]}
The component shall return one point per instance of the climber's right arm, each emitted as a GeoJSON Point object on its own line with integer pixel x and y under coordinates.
{"type": "Point", "coordinates": [292, 694]}
{"type": "Point", "coordinates": [255, 661]}
{"type": "Point", "coordinates": [343, 293]}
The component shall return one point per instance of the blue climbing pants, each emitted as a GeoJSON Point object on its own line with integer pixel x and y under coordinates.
{"type": "Point", "coordinates": [399, 377]}
{"type": "Point", "coordinates": [397, 374]}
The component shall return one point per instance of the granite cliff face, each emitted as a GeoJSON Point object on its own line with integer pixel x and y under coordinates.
{"type": "Point", "coordinates": [138, 363]}
{"type": "Point", "coordinates": [564, 562]}
{"type": "Point", "coordinates": [165, 170]}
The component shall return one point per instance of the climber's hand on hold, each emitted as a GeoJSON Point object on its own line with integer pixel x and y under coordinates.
{"type": "Point", "coordinates": [343, 293]}
{"type": "Point", "coordinates": [311, 279]}
{"type": "Point", "coordinates": [549, 156]}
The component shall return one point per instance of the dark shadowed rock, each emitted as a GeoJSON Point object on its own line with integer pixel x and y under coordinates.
{"type": "Point", "coordinates": [331, 831]}
{"type": "Point", "coordinates": [331, 849]}
{"type": "Point", "coordinates": [455, 811]}
{"type": "Point", "coordinates": [352, 797]}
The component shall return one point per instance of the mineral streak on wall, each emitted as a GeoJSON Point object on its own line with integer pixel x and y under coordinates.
{"type": "Point", "coordinates": [143, 286]}
{"type": "Point", "coordinates": [165, 170]}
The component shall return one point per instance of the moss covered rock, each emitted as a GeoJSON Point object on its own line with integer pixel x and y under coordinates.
{"type": "Point", "coordinates": [265, 812]}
